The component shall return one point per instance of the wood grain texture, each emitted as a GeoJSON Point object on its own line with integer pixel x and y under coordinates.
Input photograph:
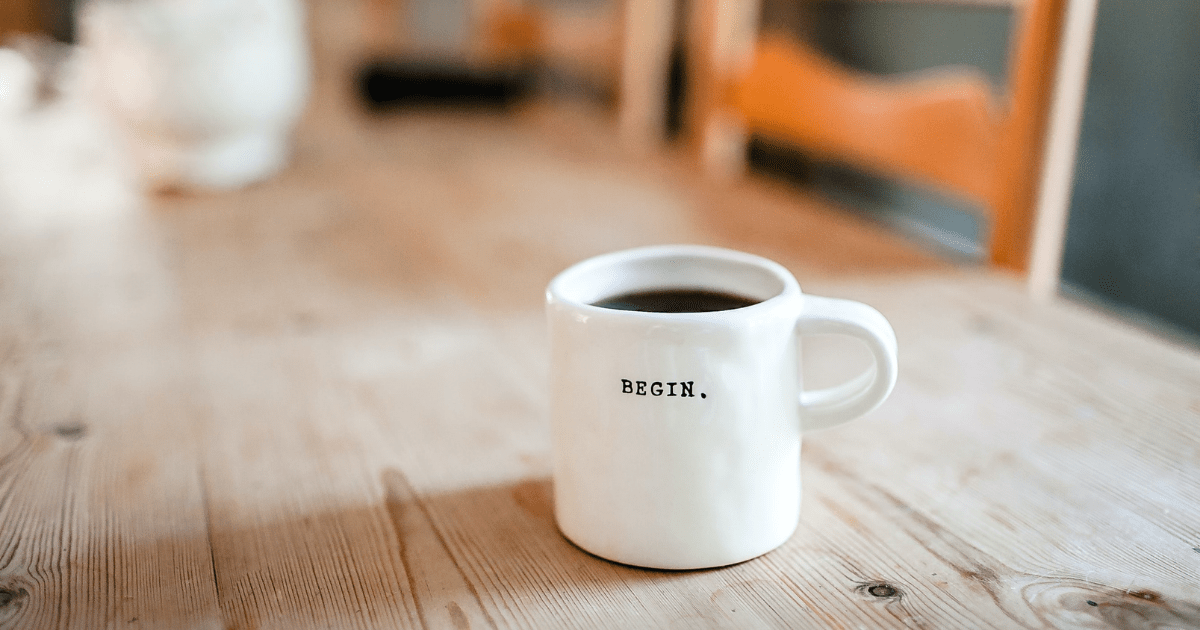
{"type": "Point", "coordinates": [320, 402]}
{"type": "Point", "coordinates": [99, 497]}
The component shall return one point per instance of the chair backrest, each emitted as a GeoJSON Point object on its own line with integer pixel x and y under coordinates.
{"type": "Point", "coordinates": [943, 128]}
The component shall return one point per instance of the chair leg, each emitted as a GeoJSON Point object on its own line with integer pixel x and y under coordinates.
{"type": "Point", "coordinates": [647, 34]}
{"type": "Point", "coordinates": [1020, 162]}
{"type": "Point", "coordinates": [721, 36]}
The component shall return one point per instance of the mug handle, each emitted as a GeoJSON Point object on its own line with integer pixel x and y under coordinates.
{"type": "Point", "coordinates": [824, 408]}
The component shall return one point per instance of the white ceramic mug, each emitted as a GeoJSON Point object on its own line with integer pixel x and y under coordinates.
{"type": "Point", "coordinates": [677, 435]}
{"type": "Point", "coordinates": [206, 91]}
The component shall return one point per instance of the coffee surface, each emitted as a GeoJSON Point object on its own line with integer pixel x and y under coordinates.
{"type": "Point", "coordinates": [676, 301]}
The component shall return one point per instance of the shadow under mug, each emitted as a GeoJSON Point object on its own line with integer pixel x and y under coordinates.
{"type": "Point", "coordinates": [677, 435]}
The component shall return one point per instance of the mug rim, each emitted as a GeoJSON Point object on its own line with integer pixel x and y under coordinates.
{"type": "Point", "coordinates": [557, 290]}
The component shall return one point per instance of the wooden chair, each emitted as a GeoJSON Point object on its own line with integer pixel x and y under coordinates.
{"type": "Point", "coordinates": [943, 129]}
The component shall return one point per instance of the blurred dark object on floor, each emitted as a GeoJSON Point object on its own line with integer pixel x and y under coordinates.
{"type": "Point", "coordinates": [387, 84]}
{"type": "Point", "coordinates": [58, 18]}
{"type": "Point", "coordinates": [618, 51]}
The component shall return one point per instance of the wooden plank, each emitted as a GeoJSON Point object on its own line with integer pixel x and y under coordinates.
{"type": "Point", "coordinates": [101, 512]}
{"type": "Point", "coordinates": [299, 538]}
{"type": "Point", "coordinates": [1054, 426]}
{"type": "Point", "coordinates": [299, 532]}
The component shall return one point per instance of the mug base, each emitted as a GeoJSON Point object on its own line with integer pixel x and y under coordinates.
{"type": "Point", "coordinates": [664, 564]}
{"type": "Point", "coordinates": [236, 161]}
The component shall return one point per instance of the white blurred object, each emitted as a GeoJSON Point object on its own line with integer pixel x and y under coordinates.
{"type": "Point", "coordinates": [207, 91]}
{"type": "Point", "coordinates": [18, 83]}
{"type": "Point", "coordinates": [59, 157]}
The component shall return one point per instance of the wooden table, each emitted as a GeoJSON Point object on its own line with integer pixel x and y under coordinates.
{"type": "Point", "coordinates": [320, 402]}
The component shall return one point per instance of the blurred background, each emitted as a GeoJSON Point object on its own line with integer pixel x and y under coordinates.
{"type": "Point", "coordinates": [180, 96]}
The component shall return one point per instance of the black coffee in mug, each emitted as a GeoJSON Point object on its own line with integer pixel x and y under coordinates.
{"type": "Point", "coordinates": [676, 301]}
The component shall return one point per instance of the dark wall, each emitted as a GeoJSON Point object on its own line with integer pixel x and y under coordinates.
{"type": "Point", "coordinates": [1133, 237]}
